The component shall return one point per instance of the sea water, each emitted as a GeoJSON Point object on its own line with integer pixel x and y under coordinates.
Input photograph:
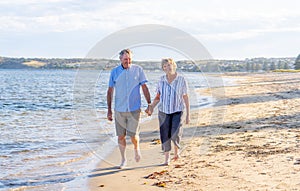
{"type": "Point", "coordinates": [54, 129]}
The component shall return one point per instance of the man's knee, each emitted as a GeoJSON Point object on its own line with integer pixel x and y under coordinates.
{"type": "Point", "coordinates": [135, 137]}
{"type": "Point", "coordinates": [121, 138]}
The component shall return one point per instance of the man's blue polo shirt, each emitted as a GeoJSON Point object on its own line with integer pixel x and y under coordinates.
{"type": "Point", "coordinates": [126, 84]}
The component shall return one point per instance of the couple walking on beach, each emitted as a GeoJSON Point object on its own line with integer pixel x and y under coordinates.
{"type": "Point", "coordinates": [171, 97]}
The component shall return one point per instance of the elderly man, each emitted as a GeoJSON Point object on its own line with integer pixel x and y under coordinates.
{"type": "Point", "coordinates": [126, 80]}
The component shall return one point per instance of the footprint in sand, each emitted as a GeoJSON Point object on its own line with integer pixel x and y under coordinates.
{"type": "Point", "coordinates": [297, 162]}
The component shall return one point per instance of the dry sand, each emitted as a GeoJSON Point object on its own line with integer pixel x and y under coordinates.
{"type": "Point", "coordinates": [250, 140]}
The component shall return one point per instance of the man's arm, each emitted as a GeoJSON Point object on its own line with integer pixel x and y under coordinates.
{"type": "Point", "coordinates": [154, 103]}
{"type": "Point", "coordinates": [146, 93]}
{"type": "Point", "coordinates": [109, 96]}
{"type": "Point", "coordinates": [147, 97]}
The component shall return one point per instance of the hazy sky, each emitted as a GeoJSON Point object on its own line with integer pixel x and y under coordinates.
{"type": "Point", "coordinates": [229, 29]}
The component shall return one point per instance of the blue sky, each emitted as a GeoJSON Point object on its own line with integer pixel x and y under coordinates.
{"type": "Point", "coordinates": [229, 29]}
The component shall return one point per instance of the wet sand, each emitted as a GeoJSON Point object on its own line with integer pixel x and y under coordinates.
{"type": "Point", "coordinates": [250, 140]}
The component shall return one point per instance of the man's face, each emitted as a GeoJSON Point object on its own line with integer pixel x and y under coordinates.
{"type": "Point", "coordinates": [126, 60]}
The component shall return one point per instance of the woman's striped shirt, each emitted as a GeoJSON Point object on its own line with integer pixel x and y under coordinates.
{"type": "Point", "coordinates": [171, 94]}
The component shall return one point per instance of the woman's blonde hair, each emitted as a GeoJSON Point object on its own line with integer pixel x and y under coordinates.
{"type": "Point", "coordinates": [168, 60]}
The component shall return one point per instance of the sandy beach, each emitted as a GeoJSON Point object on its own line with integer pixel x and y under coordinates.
{"type": "Point", "coordinates": [250, 140]}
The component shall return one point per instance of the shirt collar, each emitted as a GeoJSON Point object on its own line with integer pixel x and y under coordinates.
{"type": "Point", "coordinates": [122, 67]}
{"type": "Point", "coordinates": [165, 77]}
{"type": "Point", "coordinates": [125, 68]}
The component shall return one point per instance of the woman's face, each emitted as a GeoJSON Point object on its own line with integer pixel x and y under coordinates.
{"type": "Point", "coordinates": [168, 68]}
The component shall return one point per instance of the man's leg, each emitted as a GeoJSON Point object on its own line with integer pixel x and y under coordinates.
{"type": "Point", "coordinates": [136, 145]}
{"type": "Point", "coordinates": [121, 133]}
{"type": "Point", "coordinates": [133, 131]}
{"type": "Point", "coordinates": [122, 147]}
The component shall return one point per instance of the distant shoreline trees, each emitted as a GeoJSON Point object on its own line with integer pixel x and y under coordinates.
{"type": "Point", "coordinates": [297, 63]}
{"type": "Point", "coordinates": [248, 65]}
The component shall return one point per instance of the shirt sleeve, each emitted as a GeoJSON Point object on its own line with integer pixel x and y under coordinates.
{"type": "Point", "coordinates": [111, 82]}
{"type": "Point", "coordinates": [185, 87]}
{"type": "Point", "coordinates": [159, 85]}
{"type": "Point", "coordinates": [143, 78]}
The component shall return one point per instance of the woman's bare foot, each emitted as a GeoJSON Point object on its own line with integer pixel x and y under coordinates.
{"type": "Point", "coordinates": [166, 163]}
{"type": "Point", "coordinates": [176, 157]}
{"type": "Point", "coordinates": [176, 153]}
{"type": "Point", "coordinates": [167, 159]}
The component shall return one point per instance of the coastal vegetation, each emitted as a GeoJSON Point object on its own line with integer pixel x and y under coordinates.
{"type": "Point", "coordinates": [282, 70]}
{"type": "Point", "coordinates": [297, 63]}
{"type": "Point", "coordinates": [213, 65]}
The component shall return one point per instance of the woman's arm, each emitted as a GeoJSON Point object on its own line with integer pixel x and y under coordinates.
{"type": "Point", "coordinates": [154, 103]}
{"type": "Point", "coordinates": [187, 107]}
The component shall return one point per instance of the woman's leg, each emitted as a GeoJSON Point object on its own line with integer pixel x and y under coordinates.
{"type": "Point", "coordinates": [167, 158]}
{"type": "Point", "coordinates": [164, 126]}
{"type": "Point", "coordinates": [176, 132]}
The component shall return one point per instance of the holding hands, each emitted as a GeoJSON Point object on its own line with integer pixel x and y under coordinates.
{"type": "Point", "coordinates": [109, 115]}
{"type": "Point", "coordinates": [149, 110]}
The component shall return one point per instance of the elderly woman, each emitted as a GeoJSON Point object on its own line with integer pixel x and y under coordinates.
{"type": "Point", "coordinates": [172, 97]}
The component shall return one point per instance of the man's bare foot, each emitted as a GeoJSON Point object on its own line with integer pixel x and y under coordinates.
{"type": "Point", "coordinates": [137, 155]}
{"type": "Point", "coordinates": [123, 164]}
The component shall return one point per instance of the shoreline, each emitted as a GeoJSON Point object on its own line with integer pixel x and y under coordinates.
{"type": "Point", "coordinates": [260, 120]}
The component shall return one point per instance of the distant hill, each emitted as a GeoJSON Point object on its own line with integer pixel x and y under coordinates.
{"type": "Point", "coordinates": [247, 65]}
